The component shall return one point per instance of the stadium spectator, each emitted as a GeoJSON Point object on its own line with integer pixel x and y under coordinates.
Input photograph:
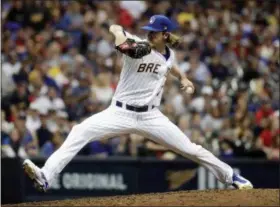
{"type": "Point", "coordinates": [50, 101]}
{"type": "Point", "coordinates": [60, 66]}
{"type": "Point", "coordinates": [264, 112]}
{"type": "Point", "coordinates": [102, 90]}
{"type": "Point", "coordinates": [197, 70]}
{"type": "Point", "coordinates": [52, 145]}
{"type": "Point", "coordinates": [20, 142]}
{"type": "Point", "coordinates": [201, 104]}
{"type": "Point", "coordinates": [120, 145]}
{"type": "Point", "coordinates": [16, 102]}
{"type": "Point", "coordinates": [6, 127]}
{"type": "Point", "coordinates": [33, 121]}
{"type": "Point", "coordinates": [43, 134]}
{"type": "Point", "coordinates": [11, 66]}
{"type": "Point", "coordinates": [12, 145]}
{"type": "Point", "coordinates": [101, 148]}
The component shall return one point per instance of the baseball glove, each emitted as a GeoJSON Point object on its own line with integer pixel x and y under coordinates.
{"type": "Point", "coordinates": [134, 49]}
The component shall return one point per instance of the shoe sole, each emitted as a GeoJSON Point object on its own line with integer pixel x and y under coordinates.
{"type": "Point", "coordinates": [243, 187]}
{"type": "Point", "coordinates": [246, 187]}
{"type": "Point", "coordinates": [29, 171]}
{"type": "Point", "coordinates": [32, 175]}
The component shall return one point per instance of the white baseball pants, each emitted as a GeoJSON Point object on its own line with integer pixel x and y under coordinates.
{"type": "Point", "coordinates": [152, 124]}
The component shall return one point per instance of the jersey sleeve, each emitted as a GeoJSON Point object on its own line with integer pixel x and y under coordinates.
{"type": "Point", "coordinates": [174, 59]}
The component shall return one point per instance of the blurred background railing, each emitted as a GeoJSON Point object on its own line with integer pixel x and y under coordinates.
{"type": "Point", "coordinates": [86, 176]}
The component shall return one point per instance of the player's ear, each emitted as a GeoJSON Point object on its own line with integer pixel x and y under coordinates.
{"type": "Point", "coordinates": [166, 36]}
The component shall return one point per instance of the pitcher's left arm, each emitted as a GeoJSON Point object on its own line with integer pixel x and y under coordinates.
{"type": "Point", "coordinates": [127, 45]}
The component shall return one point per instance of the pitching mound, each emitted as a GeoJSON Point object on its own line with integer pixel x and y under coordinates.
{"type": "Point", "coordinates": [255, 197]}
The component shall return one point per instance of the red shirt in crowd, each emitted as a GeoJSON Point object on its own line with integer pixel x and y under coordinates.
{"type": "Point", "coordinates": [125, 19]}
{"type": "Point", "coordinates": [266, 137]}
{"type": "Point", "coordinates": [263, 113]}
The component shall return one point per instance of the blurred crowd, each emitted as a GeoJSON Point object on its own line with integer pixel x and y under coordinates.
{"type": "Point", "coordinates": [59, 66]}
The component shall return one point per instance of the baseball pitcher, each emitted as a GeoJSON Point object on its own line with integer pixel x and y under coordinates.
{"type": "Point", "coordinates": [134, 107]}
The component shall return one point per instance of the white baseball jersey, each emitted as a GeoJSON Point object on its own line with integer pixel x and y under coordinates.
{"type": "Point", "coordinates": [142, 80]}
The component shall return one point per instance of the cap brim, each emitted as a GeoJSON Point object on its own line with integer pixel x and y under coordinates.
{"type": "Point", "coordinates": [149, 28]}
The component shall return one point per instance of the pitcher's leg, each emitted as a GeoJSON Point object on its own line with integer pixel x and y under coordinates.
{"type": "Point", "coordinates": [75, 141]}
{"type": "Point", "coordinates": [163, 131]}
{"type": "Point", "coordinates": [104, 124]}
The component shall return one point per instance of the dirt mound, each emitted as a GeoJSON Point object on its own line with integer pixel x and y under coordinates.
{"type": "Point", "coordinates": [255, 197]}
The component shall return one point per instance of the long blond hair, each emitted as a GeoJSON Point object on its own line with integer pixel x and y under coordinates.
{"type": "Point", "coordinates": [173, 40]}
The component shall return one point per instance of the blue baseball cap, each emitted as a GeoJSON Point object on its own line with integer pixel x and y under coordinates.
{"type": "Point", "coordinates": [160, 23]}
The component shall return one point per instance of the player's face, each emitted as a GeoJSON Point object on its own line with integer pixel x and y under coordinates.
{"type": "Point", "coordinates": [155, 37]}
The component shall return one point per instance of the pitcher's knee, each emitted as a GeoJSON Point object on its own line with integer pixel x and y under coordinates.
{"type": "Point", "coordinates": [77, 129]}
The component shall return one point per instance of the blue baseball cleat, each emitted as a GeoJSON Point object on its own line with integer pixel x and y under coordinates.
{"type": "Point", "coordinates": [36, 175]}
{"type": "Point", "coordinates": [240, 182]}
